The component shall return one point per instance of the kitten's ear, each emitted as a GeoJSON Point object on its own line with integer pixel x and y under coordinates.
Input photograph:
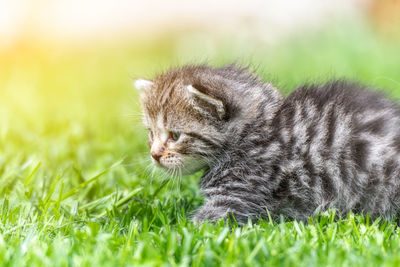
{"type": "Point", "coordinates": [216, 103]}
{"type": "Point", "coordinates": [142, 85]}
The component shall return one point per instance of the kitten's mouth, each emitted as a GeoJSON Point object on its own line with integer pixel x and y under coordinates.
{"type": "Point", "coordinates": [166, 167]}
{"type": "Point", "coordinates": [158, 164]}
{"type": "Point", "coordinates": [172, 170]}
{"type": "Point", "coordinates": [190, 166]}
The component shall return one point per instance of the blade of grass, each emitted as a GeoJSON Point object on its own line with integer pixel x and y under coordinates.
{"type": "Point", "coordinates": [30, 176]}
{"type": "Point", "coordinates": [91, 180]}
{"type": "Point", "coordinates": [160, 187]}
{"type": "Point", "coordinates": [124, 200]}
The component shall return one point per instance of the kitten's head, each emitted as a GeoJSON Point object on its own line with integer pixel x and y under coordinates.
{"type": "Point", "coordinates": [186, 112]}
{"type": "Point", "coordinates": [195, 113]}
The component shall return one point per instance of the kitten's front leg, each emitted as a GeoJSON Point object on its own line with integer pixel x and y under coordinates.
{"type": "Point", "coordinates": [209, 213]}
{"type": "Point", "coordinates": [215, 210]}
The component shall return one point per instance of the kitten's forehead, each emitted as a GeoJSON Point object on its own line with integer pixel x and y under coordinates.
{"type": "Point", "coordinates": [162, 94]}
{"type": "Point", "coordinates": [160, 121]}
{"type": "Point", "coordinates": [166, 103]}
{"type": "Point", "coordinates": [157, 125]}
{"type": "Point", "coordinates": [169, 119]}
{"type": "Point", "coordinates": [161, 127]}
{"type": "Point", "coordinates": [162, 116]}
{"type": "Point", "coordinates": [169, 99]}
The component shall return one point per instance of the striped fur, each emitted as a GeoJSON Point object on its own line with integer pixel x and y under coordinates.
{"type": "Point", "coordinates": [334, 145]}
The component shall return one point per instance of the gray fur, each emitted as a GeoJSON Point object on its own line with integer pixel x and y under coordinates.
{"type": "Point", "coordinates": [334, 145]}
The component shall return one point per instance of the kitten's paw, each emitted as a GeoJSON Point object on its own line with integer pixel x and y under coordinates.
{"type": "Point", "coordinates": [210, 214]}
{"type": "Point", "coordinates": [213, 214]}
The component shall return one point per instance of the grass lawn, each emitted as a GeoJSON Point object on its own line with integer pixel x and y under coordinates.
{"type": "Point", "coordinates": [75, 186]}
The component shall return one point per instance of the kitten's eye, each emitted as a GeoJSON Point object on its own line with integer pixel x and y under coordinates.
{"type": "Point", "coordinates": [175, 135]}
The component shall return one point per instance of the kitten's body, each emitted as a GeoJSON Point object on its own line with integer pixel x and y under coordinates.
{"type": "Point", "coordinates": [335, 145]}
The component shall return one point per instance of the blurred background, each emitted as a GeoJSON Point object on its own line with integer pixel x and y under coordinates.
{"type": "Point", "coordinates": [73, 21]}
{"type": "Point", "coordinates": [66, 66]}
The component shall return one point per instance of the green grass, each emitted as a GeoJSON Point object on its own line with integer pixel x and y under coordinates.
{"type": "Point", "coordinates": [75, 189]}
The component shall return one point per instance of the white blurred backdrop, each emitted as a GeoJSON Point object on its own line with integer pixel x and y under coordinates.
{"type": "Point", "coordinates": [82, 20]}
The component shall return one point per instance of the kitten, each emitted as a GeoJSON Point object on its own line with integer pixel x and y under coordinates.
{"type": "Point", "coordinates": [334, 145]}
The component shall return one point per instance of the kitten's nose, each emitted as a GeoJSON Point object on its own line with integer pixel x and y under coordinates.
{"type": "Point", "coordinates": [157, 155]}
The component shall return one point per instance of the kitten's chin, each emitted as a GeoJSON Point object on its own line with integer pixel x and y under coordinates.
{"type": "Point", "coordinates": [189, 166]}
{"type": "Point", "coordinates": [183, 169]}
{"type": "Point", "coordinates": [192, 169]}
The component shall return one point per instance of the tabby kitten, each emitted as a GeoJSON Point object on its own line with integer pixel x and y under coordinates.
{"type": "Point", "coordinates": [335, 145]}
